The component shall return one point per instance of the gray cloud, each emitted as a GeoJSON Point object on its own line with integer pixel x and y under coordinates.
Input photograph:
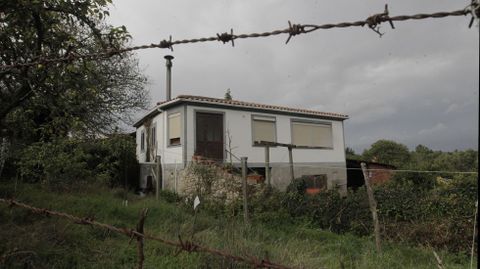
{"type": "Point", "coordinates": [418, 84]}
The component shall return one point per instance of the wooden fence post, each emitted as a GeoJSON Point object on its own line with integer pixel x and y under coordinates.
{"type": "Point", "coordinates": [290, 160]}
{"type": "Point", "coordinates": [373, 206]}
{"type": "Point", "coordinates": [140, 239]}
{"type": "Point", "coordinates": [474, 233]}
{"type": "Point", "coordinates": [158, 175]}
{"type": "Point", "coordinates": [439, 261]}
{"type": "Point", "coordinates": [244, 177]}
{"type": "Point", "coordinates": [267, 165]}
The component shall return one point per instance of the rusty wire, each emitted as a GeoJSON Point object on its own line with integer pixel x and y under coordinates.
{"type": "Point", "coordinates": [181, 245]}
{"type": "Point", "coordinates": [373, 22]}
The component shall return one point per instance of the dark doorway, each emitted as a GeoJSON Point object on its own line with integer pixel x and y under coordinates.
{"type": "Point", "coordinates": [209, 136]}
{"type": "Point", "coordinates": [149, 187]}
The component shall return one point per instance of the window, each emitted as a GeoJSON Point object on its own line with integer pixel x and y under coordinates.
{"type": "Point", "coordinates": [174, 129]}
{"type": "Point", "coordinates": [263, 129]}
{"type": "Point", "coordinates": [153, 135]}
{"type": "Point", "coordinates": [142, 141]}
{"type": "Point", "coordinates": [312, 134]}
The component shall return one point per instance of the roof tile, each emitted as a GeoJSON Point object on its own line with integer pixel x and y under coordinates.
{"type": "Point", "coordinates": [255, 105]}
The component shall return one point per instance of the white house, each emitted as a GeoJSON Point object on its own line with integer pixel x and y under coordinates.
{"type": "Point", "coordinates": [186, 126]}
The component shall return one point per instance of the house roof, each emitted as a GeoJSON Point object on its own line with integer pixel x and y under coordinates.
{"type": "Point", "coordinates": [236, 104]}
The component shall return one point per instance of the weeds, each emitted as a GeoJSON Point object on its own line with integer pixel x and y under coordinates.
{"type": "Point", "coordinates": [63, 245]}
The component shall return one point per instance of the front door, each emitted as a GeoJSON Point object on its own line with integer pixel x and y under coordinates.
{"type": "Point", "coordinates": [209, 136]}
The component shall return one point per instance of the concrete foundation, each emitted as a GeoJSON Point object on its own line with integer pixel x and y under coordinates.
{"type": "Point", "coordinates": [336, 174]}
{"type": "Point", "coordinates": [172, 175]}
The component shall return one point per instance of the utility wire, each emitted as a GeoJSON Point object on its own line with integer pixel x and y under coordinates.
{"type": "Point", "coordinates": [373, 22]}
{"type": "Point", "coordinates": [216, 160]}
{"type": "Point", "coordinates": [390, 170]}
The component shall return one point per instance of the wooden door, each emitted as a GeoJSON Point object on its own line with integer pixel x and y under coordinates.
{"type": "Point", "coordinates": [209, 136]}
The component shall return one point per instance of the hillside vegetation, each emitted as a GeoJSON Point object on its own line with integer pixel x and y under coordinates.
{"type": "Point", "coordinates": [36, 241]}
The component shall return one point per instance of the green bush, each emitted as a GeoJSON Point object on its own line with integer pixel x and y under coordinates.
{"type": "Point", "coordinates": [59, 162]}
{"type": "Point", "coordinates": [62, 162]}
{"type": "Point", "coordinates": [441, 217]}
{"type": "Point", "coordinates": [169, 196]}
{"type": "Point", "coordinates": [266, 205]}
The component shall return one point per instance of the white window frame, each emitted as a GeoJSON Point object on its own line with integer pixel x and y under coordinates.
{"type": "Point", "coordinates": [312, 122]}
{"type": "Point", "coordinates": [169, 115]}
{"type": "Point", "coordinates": [257, 117]}
{"type": "Point", "coordinates": [153, 135]}
{"type": "Point", "coordinates": [142, 140]}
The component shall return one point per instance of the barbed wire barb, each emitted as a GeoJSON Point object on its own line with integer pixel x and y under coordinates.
{"type": "Point", "coordinates": [140, 235]}
{"type": "Point", "coordinates": [165, 44]}
{"type": "Point", "coordinates": [294, 29]}
{"type": "Point", "coordinates": [226, 37]}
{"type": "Point", "coordinates": [474, 9]}
{"type": "Point", "coordinates": [374, 21]}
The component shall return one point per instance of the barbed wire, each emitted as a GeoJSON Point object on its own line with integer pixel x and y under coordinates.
{"type": "Point", "coordinates": [373, 22]}
{"type": "Point", "coordinates": [182, 245]}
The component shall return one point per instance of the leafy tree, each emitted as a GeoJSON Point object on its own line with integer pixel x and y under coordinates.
{"type": "Point", "coordinates": [388, 152]}
{"type": "Point", "coordinates": [66, 162]}
{"type": "Point", "coordinates": [39, 103]}
{"type": "Point", "coordinates": [228, 95]}
{"type": "Point", "coordinates": [350, 154]}
{"type": "Point", "coordinates": [456, 161]}
{"type": "Point", "coordinates": [424, 158]}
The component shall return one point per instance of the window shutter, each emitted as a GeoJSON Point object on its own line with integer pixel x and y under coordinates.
{"type": "Point", "coordinates": [263, 129]}
{"type": "Point", "coordinates": [174, 126]}
{"type": "Point", "coordinates": [312, 134]}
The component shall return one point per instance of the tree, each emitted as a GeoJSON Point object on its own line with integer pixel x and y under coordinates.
{"type": "Point", "coordinates": [388, 152]}
{"type": "Point", "coordinates": [422, 158]}
{"type": "Point", "coordinates": [350, 154]}
{"type": "Point", "coordinates": [40, 102]}
{"type": "Point", "coordinates": [228, 95]}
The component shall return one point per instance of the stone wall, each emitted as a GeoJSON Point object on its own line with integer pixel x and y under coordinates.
{"type": "Point", "coordinates": [174, 175]}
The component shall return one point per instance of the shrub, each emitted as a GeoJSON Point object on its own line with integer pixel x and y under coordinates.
{"type": "Point", "coordinates": [441, 217]}
{"type": "Point", "coordinates": [66, 161]}
{"type": "Point", "coordinates": [169, 196]}
{"type": "Point", "coordinates": [59, 162]}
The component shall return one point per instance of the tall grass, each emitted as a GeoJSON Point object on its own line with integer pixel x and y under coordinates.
{"type": "Point", "coordinates": [56, 243]}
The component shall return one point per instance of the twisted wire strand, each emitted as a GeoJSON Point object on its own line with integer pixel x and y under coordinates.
{"type": "Point", "coordinates": [187, 246]}
{"type": "Point", "coordinates": [294, 29]}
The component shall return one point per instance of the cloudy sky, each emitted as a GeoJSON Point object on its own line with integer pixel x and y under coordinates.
{"type": "Point", "coordinates": [418, 84]}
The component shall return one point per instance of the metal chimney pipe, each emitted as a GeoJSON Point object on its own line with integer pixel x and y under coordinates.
{"type": "Point", "coordinates": [169, 76]}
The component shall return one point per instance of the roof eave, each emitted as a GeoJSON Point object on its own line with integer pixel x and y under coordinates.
{"type": "Point", "coordinates": [155, 111]}
{"type": "Point", "coordinates": [278, 111]}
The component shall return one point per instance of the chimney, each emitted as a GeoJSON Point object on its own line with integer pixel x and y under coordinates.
{"type": "Point", "coordinates": [169, 76]}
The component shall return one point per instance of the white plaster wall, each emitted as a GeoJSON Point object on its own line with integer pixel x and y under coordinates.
{"type": "Point", "coordinates": [140, 154]}
{"type": "Point", "coordinates": [170, 154]}
{"type": "Point", "coordinates": [239, 125]}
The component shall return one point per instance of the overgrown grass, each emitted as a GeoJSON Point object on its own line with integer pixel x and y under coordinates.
{"type": "Point", "coordinates": [34, 241]}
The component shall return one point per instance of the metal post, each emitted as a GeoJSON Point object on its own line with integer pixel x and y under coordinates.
{"type": "Point", "coordinates": [125, 176]}
{"type": "Point", "coordinates": [373, 206]}
{"type": "Point", "coordinates": [267, 166]}
{"type": "Point", "coordinates": [290, 160]}
{"type": "Point", "coordinates": [244, 177]}
{"type": "Point", "coordinates": [169, 76]}
{"type": "Point", "coordinates": [158, 175]}
{"type": "Point", "coordinates": [176, 180]}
